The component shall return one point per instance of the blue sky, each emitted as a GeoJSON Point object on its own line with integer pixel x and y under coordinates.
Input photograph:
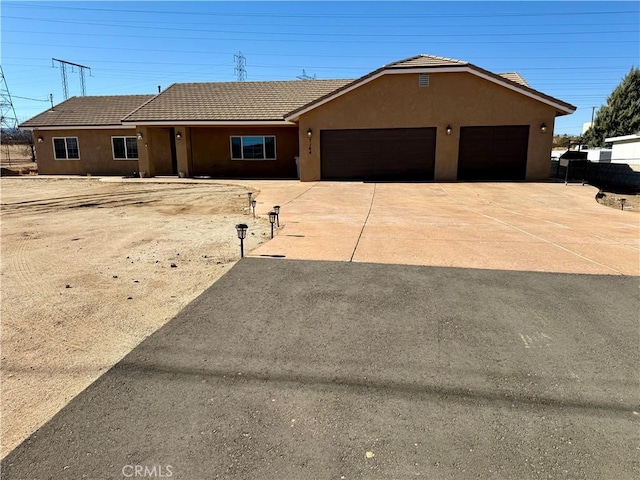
{"type": "Point", "coordinates": [575, 51]}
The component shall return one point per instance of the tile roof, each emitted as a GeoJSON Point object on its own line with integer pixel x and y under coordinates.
{"type": "Point", "coordinates": [245, 101]}
{"type": "Point", "coordinates": [88, 111]}
{"type": "Point", "coordinates": [514, 77]}
{"type": "Point", "coordinates": [232, 101]}
{"type": "Point", "coordinates": [425, 61]}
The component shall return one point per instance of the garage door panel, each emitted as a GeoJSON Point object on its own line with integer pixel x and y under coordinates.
{"type": "Point", "coordinates": [493, 153]}
{"type": "Point", "coordinates": [378, 154]}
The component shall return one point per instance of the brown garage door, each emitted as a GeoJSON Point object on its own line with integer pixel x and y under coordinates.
{"type": "Point", "coordinates": [493, 153]}
{"type": "Point", "coordinates": [378, 154]}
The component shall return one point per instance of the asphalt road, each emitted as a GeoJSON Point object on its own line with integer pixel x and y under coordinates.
{"type": "Point", "coordinates": [294, 369]}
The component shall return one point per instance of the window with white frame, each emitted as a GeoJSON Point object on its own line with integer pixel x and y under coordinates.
{"type": "Point", "coordinates": [66, 148]}
{"type": "Point", "coordinates": [124, 148]}
{"type": "Point", "coordinates": [253, 148]}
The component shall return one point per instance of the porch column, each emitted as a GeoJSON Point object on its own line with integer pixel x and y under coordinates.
{"type": "Point", "coordinates": [309, 151]}
{"type": "Point", "coordinates": [446, 168]}
{"type": "Point", "coordinates": [183, 151]}
{"type": "Point", "coordinates": [145, 149]}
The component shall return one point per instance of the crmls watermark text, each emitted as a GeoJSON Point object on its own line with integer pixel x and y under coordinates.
{"type": "Point", "coordinates": [142, 471]}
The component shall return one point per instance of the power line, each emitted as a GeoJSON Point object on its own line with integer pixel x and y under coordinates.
{"type": "Point", "coordinates": [331, 39]}
{"type": "Point", "coordinates": [385, 24]}
{"type": "Point", "coordinates": [337, 15]}
{"type": "Point", "coordinates": [335, 34]}
{"type": "Point", "coordinates": [33, 99]}
{"type": "Point", "coordinates": [577, 56]}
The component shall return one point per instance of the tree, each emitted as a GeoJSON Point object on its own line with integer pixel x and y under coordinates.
{"type": "Point", "coordinates": [564, 140]}
{"type": "Point", "coordinates": [621, 114]}
{"type": "Point", "coordinates": [19, 137]}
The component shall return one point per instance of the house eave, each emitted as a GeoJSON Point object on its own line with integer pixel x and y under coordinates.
{"type": "Point", "coordinates": [623, 139]}
{"type": "Point", "coordinates": [76, 127]}
{"type": "Point", "coordinates": [204, 123]}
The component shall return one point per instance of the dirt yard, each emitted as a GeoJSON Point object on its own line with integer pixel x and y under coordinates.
{"type": "Point", "coordinates": [613, 200]}
{"type": "Point", "coordinates": [16, 160]}
{"type": "Point", "coordinates": [90, 268]}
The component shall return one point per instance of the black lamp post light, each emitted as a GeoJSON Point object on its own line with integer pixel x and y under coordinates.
{"type": "Point", "coordinates": [241, 228]}
{"type": "Point", "coordinates": [253, 207]}
{"type": "Point", "coordinates": [622, 202]}
{"type": "Point", "coordinates": [272, 219]}
{"type": "Point", "coordinates": [276, 208]}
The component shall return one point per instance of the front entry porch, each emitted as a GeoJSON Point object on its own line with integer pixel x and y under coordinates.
{"type": "Point", "coordinates": [218, 151]}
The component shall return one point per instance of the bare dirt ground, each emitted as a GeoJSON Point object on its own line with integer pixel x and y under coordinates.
{"type": "Point", "coordinates": [610, 199]}
{"type": "Point", "coordinates": [16, 160]}
{"type": "Point", "coordinates": [90, 268]}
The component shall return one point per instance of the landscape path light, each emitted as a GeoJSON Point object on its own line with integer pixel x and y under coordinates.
{"type": "Point", "coordinates": [249, 194]}
{"type": "Point", "coordinates": [272, 219]}
{"type": "Point", "coordinates": [241, 228]}
{"type": "Point", "coordinates": [622, 202]}
{"type": "Point", "coordinates": [276, 208]}
{"type": "Point", "coordinates": [253, 207]}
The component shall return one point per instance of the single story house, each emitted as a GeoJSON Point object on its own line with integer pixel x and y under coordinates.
{"type": "Point", "coordinates": [422, 118]}
{"type": "Point", "coordinates": [625, 149]}
{"type": "Point", "coordinates": [85, 135]}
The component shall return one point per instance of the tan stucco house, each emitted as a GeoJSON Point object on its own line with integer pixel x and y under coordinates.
{"type": "Point", "coordinates": [85, 135]}
{"type": "Point", "coordinates": [422, 118]}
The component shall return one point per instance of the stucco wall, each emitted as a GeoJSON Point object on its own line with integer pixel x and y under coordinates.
{"type": "Point", "coordinates": [211, 152]}
{"type": "Point", "coordinates": [96, 155]}
{"type": "Point", "coordinates": [456, 99]}
{"type": "Point", "coordinates": [162, 151]}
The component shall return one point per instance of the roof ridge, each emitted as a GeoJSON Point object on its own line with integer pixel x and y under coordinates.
{"type": "Point", "coordinates": [438, 57]}
{"type": "Point", "coordinates": [145, 103]}
{"type": "Point", "coordinates": [403, 63]}
{"type": "Point", "coordinates": [408, 59]}
{"type": "Point", "coordinates": [264, 81]}
{"type": "Point", "coordinates": [266, 100]}
{"type": "Point", "coordinates": [108, 96]}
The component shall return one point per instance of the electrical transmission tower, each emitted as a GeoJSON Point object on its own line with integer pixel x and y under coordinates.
{"type": "Point", "coordinates": [63, 73]}
{"type": "Point", "coordinates": [8, 112]}
{"type": "Point", "coordinates": [240, 70]}
{"type": "Point", "coordinates": [304, 76]}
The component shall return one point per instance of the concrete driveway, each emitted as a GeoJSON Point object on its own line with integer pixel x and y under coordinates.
{"type": "Point", "coordinates": [547, 227]}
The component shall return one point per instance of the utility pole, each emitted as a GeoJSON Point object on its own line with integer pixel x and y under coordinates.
{"type": "Point", "coordinates": [240, 70]}
{"type": "Point", "coordinates": [593, 112]}
{"type": "Point", "coordinates": [63, 73]}
{"type": "Point", "coordinates": [304, 76]}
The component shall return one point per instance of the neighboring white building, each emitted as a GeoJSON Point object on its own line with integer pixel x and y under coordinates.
{"type": "Point", "coordinates": [625, 149]}
{"type": "Point", "coordinates": [597, 155]}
